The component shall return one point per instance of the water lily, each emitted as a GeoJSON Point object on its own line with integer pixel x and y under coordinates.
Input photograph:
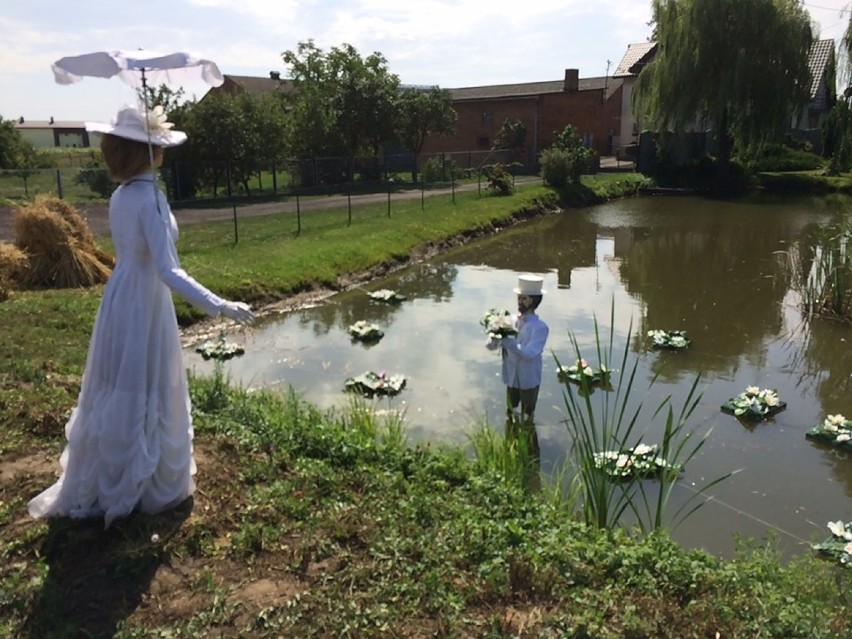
{"type": "Point", "coordinates": [838, 529]}
{"type": "Point", "coordinates": [835, 420]}
{"type": "Point", "coordinates": [754, 402]}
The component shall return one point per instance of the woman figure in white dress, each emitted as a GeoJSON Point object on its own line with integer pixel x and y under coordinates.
{"type": "Point", "coordinates": [130, 436]}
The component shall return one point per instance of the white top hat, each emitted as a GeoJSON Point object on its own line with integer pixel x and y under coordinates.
{"type": "Point", "coordinates": [131, 124]}
{"type": "Point", "coordinates": [530, 285]}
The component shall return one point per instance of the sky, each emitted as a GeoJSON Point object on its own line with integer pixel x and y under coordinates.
{"type": "Point", "coordinates": [449, 43]}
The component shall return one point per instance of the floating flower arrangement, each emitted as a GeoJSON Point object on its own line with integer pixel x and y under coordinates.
{"type": "Point", "coordinates": [836, 431]}
{"type": "Point", "coordinates": [386, 295]}
{"type": "Point", "coordinates": [365, 331]}
{"type": "Point", "coordinates": [582, 370]}
{"type": "Point", "coordinates": [839, 546]}
{"type": "Point", "coordinates": [219, 349]}
{"type": "Point", "coordinates": [499, 324]}
{"type": "Point", "coordinates": [672, 340]}
{"type": "Point", "coordinates": [755, 404]}
{"type": "Point", "coordinates": [641, 461]}
{"type": "Point", "coordinates": [370, 384]}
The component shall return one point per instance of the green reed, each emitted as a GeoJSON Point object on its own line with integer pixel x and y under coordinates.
{"type": "Point", "coordinates": [601, 420]}
{"type": "Point", "coordinates": [821, 271]}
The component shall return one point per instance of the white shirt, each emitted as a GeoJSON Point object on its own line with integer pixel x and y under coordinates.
{"type": "Point", "coordinates": [522, 363]}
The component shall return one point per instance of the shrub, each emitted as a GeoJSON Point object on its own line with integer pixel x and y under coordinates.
{"type": "Point", "coordinates": [96, 178]}
{"type": "Point", "coordinates": [439, 169]}
{"type": "Point", "coordinates": [499, 179]}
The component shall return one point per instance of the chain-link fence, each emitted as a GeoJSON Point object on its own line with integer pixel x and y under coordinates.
{"type": "Point", "coordinates": [188, 183]}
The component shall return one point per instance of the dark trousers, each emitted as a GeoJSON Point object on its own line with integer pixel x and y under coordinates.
{"type": "Point", "coordinates": [526, 397]}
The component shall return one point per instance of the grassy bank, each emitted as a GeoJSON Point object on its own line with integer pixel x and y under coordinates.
{"type": "Point", "coordinates": [316, 524]}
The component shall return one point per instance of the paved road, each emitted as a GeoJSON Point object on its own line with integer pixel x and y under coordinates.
{"type": "Point", "coordinates": [96, 215]}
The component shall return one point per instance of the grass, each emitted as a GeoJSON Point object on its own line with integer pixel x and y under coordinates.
{"type": "Point", "coordinates": [310, 523]}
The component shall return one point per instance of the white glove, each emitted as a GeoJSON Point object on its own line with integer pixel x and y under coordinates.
{"type": "Point", "coordinates": [238, 311]}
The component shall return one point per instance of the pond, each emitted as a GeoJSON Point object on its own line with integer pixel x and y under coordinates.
{"type": "Point", "coordinates": [714, 268]}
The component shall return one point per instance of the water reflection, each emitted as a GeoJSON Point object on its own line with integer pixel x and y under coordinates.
{"type": "Point", "coordinates": [711, 268]}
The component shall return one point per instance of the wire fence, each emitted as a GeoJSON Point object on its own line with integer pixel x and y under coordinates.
{"type": "Point", "coordinates": [210, 182]}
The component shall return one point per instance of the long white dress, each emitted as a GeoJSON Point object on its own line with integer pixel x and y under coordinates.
{"type": "Point", "coordinates": [130, 436]}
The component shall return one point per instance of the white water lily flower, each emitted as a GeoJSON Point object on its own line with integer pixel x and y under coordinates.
{"type": "Point", "coordinates": [771, 399]}
{"type": "Point", "coordinates": [157, 119]}
{"type": "Point", "coordinates": [588, 372]}
{"type": "Point", "coordinates": [752, 390]}
{"type": "Point", "coordinates": [836, 420]}
{"type": "Point", "coordinates": [848, 549]}
{"type": "Point", "coordinates": [829, 427]}
{"type": "Point", "coordinates": [838, 529]}
{"type": "Point", "coordinates": [843, 437]}
{"type": "Point", "coordinates": [642, 449]}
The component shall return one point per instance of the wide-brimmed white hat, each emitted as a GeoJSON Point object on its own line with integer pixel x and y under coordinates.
{"type": "Point", "coordinates": [133, 124]}
{"type": "Point", "coordinates": [530, 285]}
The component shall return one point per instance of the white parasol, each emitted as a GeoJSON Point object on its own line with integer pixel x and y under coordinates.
{"type": "Point", "coordinates": [137, 68]}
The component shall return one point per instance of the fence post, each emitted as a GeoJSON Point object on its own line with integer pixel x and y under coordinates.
{"type": "Point", "coordinates": [233, 203]}
{"type": "Point", "coordinates": [274, 178]}
{"type": "Point", "coordinates": [298, 217]}
{"type": "Point", "coordinates": [59, 184]}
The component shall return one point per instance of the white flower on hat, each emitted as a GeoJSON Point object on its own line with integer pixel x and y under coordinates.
{"type": "Point", "coordinates": [157, 119]}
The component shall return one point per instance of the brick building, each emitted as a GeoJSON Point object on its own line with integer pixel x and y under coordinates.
{"type": "Point", "coordinates": [592, 106]}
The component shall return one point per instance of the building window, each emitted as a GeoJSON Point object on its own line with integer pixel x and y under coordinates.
{"type": "Point", "coordinates": [484, 142]}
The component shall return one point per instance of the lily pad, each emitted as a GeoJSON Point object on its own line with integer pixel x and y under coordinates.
{"type": "Point", "coordinates": [835, 431]}
{"type": "Point", "coordinates": [370, 384]}
{"type": "Point", "coordinates": [219, 350]}
{"type": "Point", "coordinates": [670, 340]}
{"type": "Point", "coordinates": [755, 404]}
{"type": "Point", "coordinates": [583, 371]}
{"type": "Point", "coordinates": [365, 331]}
{"type": "Point", "coordinates": [641, 461]}
{"type": "Point", "coordinates": [386, 295]}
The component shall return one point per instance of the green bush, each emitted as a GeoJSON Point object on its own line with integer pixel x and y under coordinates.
{"type": "Point", "coordinates": [784, 158]}
{"type": "Point", "coordinates": [499, 179]}
{"type": "Point", "coordinates": [566, 160]}
{"type": "Point", "coordinates": [96, 178]}
{"type": "Point", "coordinates": [439, 169]}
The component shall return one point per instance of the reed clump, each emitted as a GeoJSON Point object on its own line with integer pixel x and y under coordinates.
{"type": "Point", "coordinates": [59, 247]}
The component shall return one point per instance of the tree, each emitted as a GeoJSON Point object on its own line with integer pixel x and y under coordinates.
{"type": "Point", "coordinates": [420, 113]}
{"type": "Point", "coordinates": [15, 151]}
{"type": "Point", "coordinates": [739, 66]}
{"type": "Point", "coordinates": [230, 138]}
{"type": "Point", "coordinates": [163, 96]}
{"type": "Point", "coordinates": [512, 135]}
{"type": "Point", "coordinates": [342, 105]}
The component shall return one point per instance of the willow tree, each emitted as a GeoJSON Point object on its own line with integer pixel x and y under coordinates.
{"type": "Point", "coordinates": [738, 67]}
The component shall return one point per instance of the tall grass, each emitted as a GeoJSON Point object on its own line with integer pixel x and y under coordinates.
{"type": "Point", "coordinates": [615, 421]}
{"type": "Point", "coordinates": [513, 456]}
{"type": "Point", "coordinates": [821, 271]}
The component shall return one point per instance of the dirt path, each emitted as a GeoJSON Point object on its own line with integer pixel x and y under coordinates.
{"type": "Point", "coordinates": [96, 214]}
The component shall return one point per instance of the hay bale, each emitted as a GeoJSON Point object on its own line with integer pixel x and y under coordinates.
{"type": "Point", "coordinates": [13, 264]}
{"type": "Point", "coordinates": [78, 224]}
{"type": "Point", "coordinates": [59, 255]}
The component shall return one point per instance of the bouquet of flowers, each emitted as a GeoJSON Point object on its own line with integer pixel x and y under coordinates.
{"type": "Point", "coordinates": [582, 370]}
{"type": "Point", "coordinates": [386, 295]}
{"type": "Point", "coordinates": [755, 403]}
{"type": "Point", "coordinates": [839, 546]}
{"type": "Point", "coordinates": [640, 461]}
{"type": "Point", "coordinates": [836, 430]}
{"type": "Point", "coordinates": [499, 324]}
{"type": "Point", "coordinates": [370, 384]}
{"type": "Point", "coordinates": [219, 349]}
{"type": "Point", "coordinates": [365, 331]}
{"type": "Point", "coordinates": [674, 340]}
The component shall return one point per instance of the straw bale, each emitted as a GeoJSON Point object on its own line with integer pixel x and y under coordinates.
{"type": "Point", "coordinates": [77, 225]}
{"type": "Point", "coordinates": [59, 255]}
{"type": "Point", "coordinates": [13, 264]}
